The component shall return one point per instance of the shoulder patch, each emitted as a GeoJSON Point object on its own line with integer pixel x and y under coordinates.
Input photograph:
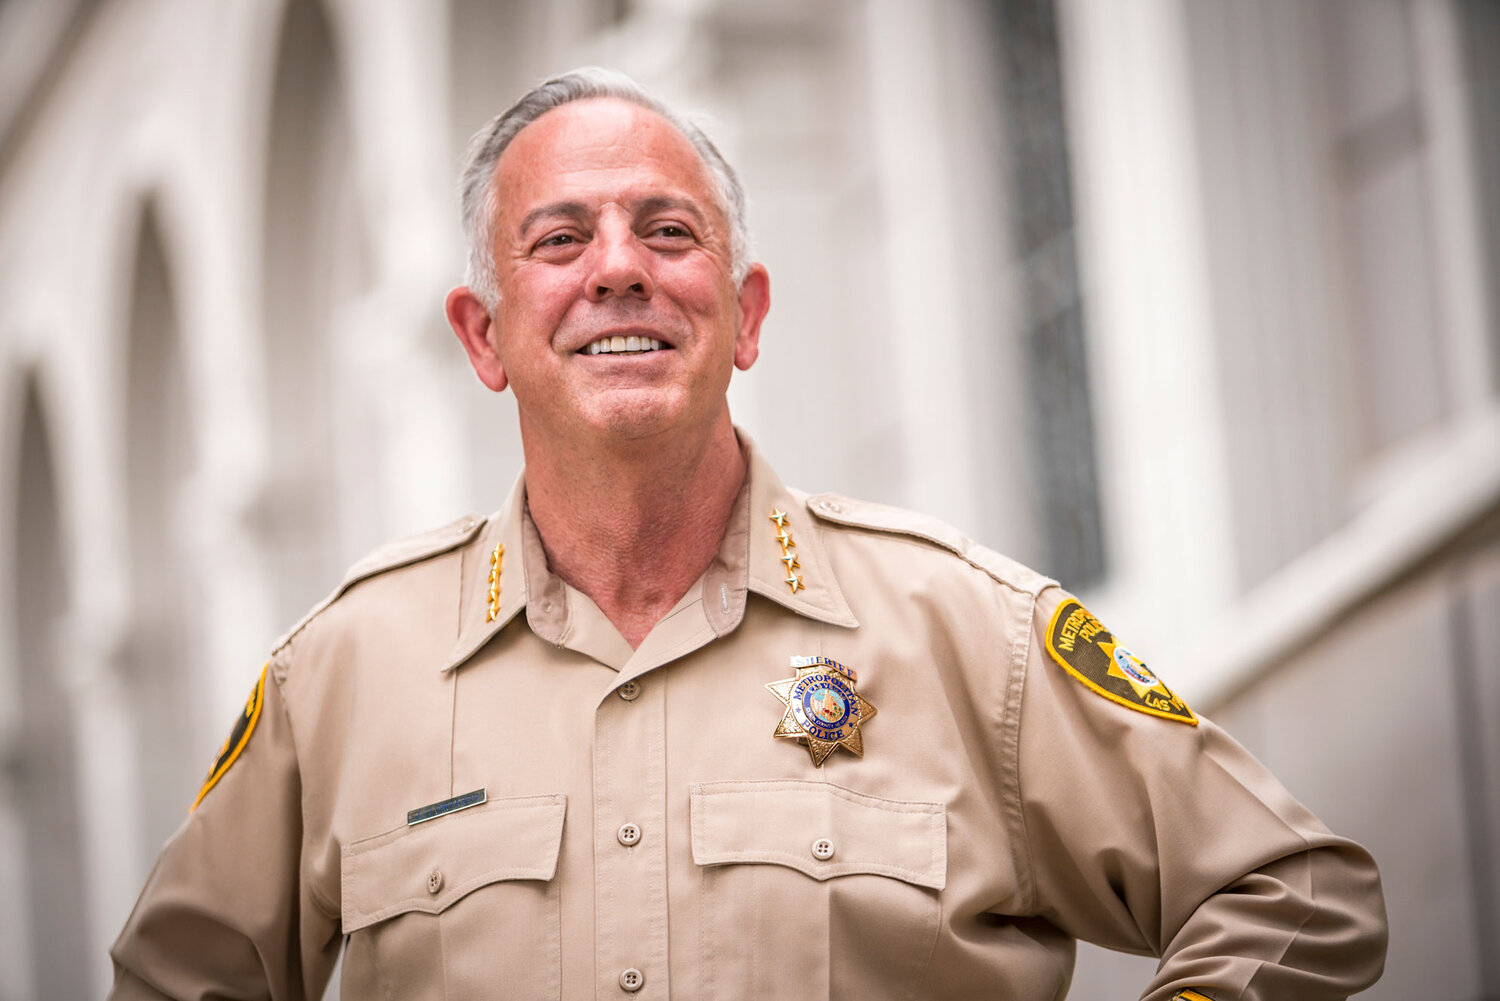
{"type": "Point", "coordinates": [390, 557]}
{"type": "Point", "coordinates": [899, 521]}
{"type": "Point", "coordinates": [244, 726]}
{"type": "Point", "coordinates": [1088, 651]}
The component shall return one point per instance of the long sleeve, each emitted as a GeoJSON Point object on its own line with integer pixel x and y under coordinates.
{"type": "Point", "coordinates": [1160, 835]}
{"type": "Point", "coordinates": [225, 913]}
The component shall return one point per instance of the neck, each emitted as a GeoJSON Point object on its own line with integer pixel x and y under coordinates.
{"type": "Point", "coordinates": [633, 525]}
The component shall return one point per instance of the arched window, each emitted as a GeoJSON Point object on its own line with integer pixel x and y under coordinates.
{"type": "Point", "coordinates": [313, 262]}
{"type": "Point", "coordinates": [42, 773]}
{"type": "Point", "coordinates": [162, 657]}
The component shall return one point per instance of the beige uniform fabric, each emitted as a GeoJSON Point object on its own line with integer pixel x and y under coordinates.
{"type": "Point", "coordinates": [1000, 811]}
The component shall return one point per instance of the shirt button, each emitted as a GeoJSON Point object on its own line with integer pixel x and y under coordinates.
{"type": "Point", "coordinates": [632, 980]}
{"type": "Point", "coordinates": [822, 849]}
{"type": "Point", "coordinates": [434, 881]}
{"type": "Point", "coordinates": [629, 835]}
{"type": "Point", "coordinates": [630, 691]}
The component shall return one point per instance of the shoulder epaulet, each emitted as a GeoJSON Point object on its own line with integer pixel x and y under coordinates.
{"type": "Point", "coordinates": [899, 521]}
{"type": "Point", "coordinates": [390, 556]}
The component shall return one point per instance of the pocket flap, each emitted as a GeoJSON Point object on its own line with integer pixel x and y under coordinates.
{"type": "Point", "coordinates": [426, 867]}
{"type": "Point", "coordinates": [779, 822]}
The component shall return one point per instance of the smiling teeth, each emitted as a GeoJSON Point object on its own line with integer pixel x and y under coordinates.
{"type": "Point", "coordinates": [621, 345]}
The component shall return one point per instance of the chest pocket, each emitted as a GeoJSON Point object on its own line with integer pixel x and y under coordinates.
{"type": "Point", "coordinates": [810, 889]}
{"type": "Point", "coordinates": [445, 906]}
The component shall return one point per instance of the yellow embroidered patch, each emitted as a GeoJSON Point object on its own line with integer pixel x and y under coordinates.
{"type": "Point", "coordinates": [244, 726]}
{"type": "Point", "coordinates": [1087, 651]}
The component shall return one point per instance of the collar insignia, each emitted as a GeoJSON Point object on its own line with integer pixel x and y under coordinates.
{"type": "Point", "coordinates": [493, 608]}
{"type": "Point", "coordinates": [823, 709]}
{"type": "Point", "coordinates": [784, 536]}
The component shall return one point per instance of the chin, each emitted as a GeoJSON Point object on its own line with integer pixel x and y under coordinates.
{"type": "Point", "coordinates": [634, 420]}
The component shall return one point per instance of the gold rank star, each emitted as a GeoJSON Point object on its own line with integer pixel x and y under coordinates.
{"type": "Point", "coordinates": [823, 708]}
{"type": "Point", "coordinates": [493, 608]}
{"type": "Point", "coordinates": [784, 536]}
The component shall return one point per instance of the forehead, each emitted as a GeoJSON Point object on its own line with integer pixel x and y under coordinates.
{"type": "Point", "coordinates": [599, 149]}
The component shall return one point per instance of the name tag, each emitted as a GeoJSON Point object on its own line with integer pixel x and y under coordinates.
{"type": "Point", "coordinates": [447, 806]}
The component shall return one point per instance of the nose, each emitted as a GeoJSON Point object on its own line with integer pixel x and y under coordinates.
{"type": "Point", "coordinates": [620, 264]}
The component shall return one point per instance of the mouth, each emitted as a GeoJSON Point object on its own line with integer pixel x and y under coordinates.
{"type": "Point", "coordinates": [621, 345]}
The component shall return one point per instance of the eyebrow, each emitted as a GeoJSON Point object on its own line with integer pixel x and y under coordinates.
{"type": "Point", "coordinates": [579, 211]}
{"type": "Point", "coordinates": [658, 203]}
{"type": "Point", "coordinates": [570, 210]}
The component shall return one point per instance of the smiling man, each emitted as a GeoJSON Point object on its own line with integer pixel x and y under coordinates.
{"type": "Point", "coordinates": [663, 725]}
{"type": "Point", "coordinates": [613, 306]}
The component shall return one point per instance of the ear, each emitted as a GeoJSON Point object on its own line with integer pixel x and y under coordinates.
{"type": "Point", "coordinates": [755, 301]}
{"type": "Point", "coordinates": [472, 324]}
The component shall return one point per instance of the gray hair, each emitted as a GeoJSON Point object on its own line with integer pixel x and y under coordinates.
{"type": "Point", "coordinates": [477, 185]}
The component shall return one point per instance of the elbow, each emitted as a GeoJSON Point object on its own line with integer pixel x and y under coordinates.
{"type": "Point", "coordinates": [1341, 943]}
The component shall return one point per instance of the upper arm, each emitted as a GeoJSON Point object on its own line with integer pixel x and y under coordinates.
{"type": "Point", "coordinates": [1154, 835]}
{"type": "Point", "coordinates": [225, 912]}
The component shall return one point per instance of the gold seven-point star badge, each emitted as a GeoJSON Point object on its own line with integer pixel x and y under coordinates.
{"type": "Point", "coordinates": [823, 710]}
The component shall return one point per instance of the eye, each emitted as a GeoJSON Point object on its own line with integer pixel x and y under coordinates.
{"type": "Point", "coordinates": [559, 245]}
{"type": "Point", "coordinates": [669, 235]}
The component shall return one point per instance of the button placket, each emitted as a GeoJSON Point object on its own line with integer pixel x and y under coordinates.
{"type": "Point", "coordinates": [630, 896]}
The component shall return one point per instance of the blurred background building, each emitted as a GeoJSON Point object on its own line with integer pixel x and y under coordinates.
{"type": "Point", "coordinates": [1191, 303]}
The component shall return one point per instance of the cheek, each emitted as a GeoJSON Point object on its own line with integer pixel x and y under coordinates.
{"type": "Point", "coordinates": [701, 290]}
{"type": "Point", "coordinates": [539, 299]}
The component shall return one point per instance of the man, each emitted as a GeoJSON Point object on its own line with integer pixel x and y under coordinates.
{"type": "Point", "coordinates": [664, 726]}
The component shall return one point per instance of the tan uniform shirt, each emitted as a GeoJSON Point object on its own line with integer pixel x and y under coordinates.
{"type": "Point", "coordinates": [644, 835]}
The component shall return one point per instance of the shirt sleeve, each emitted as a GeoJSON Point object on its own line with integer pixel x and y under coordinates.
{"type": "Point", "coordinates": [224, 913]}
{"type": "Point", "coordinates": [1153, 835]}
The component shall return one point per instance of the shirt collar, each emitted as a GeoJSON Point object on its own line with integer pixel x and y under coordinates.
{"type": "Point", "coordinates": [768, 523]}
{"type": "Point", "coordinates": [816, 593]}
